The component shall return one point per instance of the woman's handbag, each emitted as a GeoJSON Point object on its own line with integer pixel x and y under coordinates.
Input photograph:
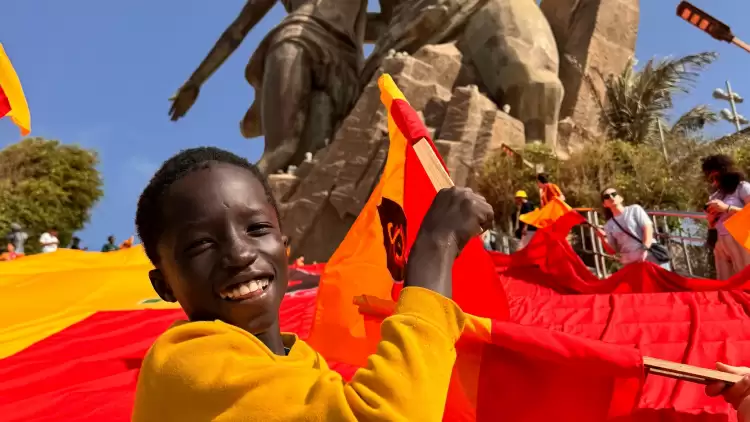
{"type": "Point", "coordinates": [658, 251]}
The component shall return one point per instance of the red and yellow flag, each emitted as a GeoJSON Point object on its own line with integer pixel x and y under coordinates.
{"type": "Point", "coordinates": [371, 259]}
{"type": "Point", "coordinates": [12, 100]}
{"type": "Point", "coordinates": [43, 294]}
{"type": "Point", "coordinates": [738, 226]}
{"type": "Point", "coordinates": [548, 214]}
{"type": "Point", "coordinates": [502, 370]}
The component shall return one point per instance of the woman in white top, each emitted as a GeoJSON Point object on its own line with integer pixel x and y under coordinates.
{"type": "Point", "coordinates": [731, 194]}
{"type": "Point", "coordinates": [636, 222]}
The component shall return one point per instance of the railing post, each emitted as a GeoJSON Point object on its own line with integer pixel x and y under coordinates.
{"type": "Point", "coordinates": [684, 238]}
{"type": "Point", "coordinates": [600, 247]}
{"type": "Point", "coordinates": [594, 237]}
{"type": "Point", "coordinates": [685, 251]}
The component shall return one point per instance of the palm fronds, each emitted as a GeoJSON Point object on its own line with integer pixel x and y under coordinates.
{"type": "Point", "coordinates": [633, 101]}
{"type": "Point", "coordinates": [694, 120]}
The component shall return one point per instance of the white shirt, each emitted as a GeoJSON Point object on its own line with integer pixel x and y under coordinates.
{"type": "Point", "coordinates": [51, 240]}
{"type": "Point", "coordinates": [633, 219]}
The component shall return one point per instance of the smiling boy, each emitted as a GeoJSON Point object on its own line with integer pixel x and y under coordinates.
{"type": "Point", "coordinates": [210, 226]}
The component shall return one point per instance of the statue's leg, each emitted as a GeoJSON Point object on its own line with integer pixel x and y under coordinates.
{"type": "Point", "coordinates": [537, 101]}
{"type": "Point", "coordinates": [286, 89]}
{"type": "Point", "coordinates": [319, 130]}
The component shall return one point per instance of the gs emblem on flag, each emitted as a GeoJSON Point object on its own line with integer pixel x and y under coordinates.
{"type": "Point", "coordinates": [150, 300]}
{"type": "Point", "coordinates": [393, 222]}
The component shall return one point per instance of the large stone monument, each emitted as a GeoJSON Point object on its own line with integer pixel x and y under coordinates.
{"type": "Point", "coordinates": [593, 36]}
{"type": "Point", "coordinates": [484, 74]}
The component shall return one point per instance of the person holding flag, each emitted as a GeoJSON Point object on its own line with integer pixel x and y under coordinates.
{"type": "Point", "coordinates": [738, 394]}
{"type": "Point", "coordinates": [229, 274]}
{"type": "Point", "coordinates": [547, 190]}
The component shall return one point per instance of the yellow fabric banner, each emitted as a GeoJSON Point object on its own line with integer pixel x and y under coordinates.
{"type": "Point", "coordinates": [43, 294]}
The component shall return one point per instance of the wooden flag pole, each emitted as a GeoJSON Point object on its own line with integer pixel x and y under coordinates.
{"type": "Point", "coordinates": [688, 373]}
{"type": "Point", "coordinates": [741, 44]}
{"type": "Point", "coordinates": [432, 166]}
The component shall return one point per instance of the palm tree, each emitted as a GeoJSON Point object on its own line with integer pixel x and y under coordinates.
{"type": "Point", "coordinates": [634, 102]}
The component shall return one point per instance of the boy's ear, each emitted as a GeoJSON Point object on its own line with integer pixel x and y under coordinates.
{"type": "Point", "coordinates": [285, 239]}
{"type": "Point", "coordinates": [161, 286]}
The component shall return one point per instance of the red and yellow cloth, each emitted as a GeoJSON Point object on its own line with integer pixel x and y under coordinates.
{"type": "Point", "coordinates": [45, 293]}
{"type": "Point", "coordinates": [548, 214]}
{"type": "Point", "coordinates": [12, 100]}
{"type": "Point", "coordinates": [370, 260]}
{"type": "Point", "coordinates": [738, 226]}
{"type": "Point", "coordinates": [85, 362]}
{"type": "Point", "coordinates": [503, 371]}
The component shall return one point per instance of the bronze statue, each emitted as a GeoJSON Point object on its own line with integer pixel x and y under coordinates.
{"type": "Point", "coordinates": [305, 73]}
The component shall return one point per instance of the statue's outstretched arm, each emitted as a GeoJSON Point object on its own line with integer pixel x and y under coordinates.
{"type": "Point", "coordinates": [232, 37]}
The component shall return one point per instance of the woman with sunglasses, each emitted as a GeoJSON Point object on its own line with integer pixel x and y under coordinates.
{"type": "Point", "coordinates": [629, 229]}
{"type": "Point", "coordinates": [731, 194]}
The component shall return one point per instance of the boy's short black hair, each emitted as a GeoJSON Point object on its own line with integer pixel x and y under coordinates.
{"type": "Point", "coordinates": [542, 178]}
{"type": "Point", "coordinates": [148, 216]}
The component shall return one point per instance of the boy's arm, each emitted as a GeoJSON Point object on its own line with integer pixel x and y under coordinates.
{"type": "Point", "coordinates": [407, 379]}
{"type": "Point", "coordinates": [224, 373]}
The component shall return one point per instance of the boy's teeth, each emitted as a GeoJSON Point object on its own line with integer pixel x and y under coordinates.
{"type": "Point", "coordinates": [245, 288]}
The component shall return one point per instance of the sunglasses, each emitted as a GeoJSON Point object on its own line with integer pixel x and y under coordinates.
{"type": "Point", "coordinates": [611, 195]}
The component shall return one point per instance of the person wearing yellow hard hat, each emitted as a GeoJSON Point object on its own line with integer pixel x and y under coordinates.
{"type": "Point", "coordinates": [524, 232]}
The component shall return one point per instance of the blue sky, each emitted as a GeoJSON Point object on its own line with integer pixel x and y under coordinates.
{"type": "Point", "coordinates": [99, 74]}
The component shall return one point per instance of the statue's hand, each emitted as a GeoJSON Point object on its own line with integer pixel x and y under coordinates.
{"type": "Point", "coordinates": [183, 100]}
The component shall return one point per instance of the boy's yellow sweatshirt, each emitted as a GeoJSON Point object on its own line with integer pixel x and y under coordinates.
{"type": "Point", "coordinates": [213, 371]}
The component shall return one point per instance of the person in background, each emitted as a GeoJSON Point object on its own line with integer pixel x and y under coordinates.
{"type": "Point", "coordinates": [636, 221]}
{"type": "Point", "coordinates": [49, 241]}
{"type": "Point", "coordinates": [17, 237]}
{"type": "Point", "coordinates": [10, 255]}
{"type": "Point", "coordinates": [110, 246]}
{"type": "Point", "coordinates": [547, 190]}
{"type": "Point", "coordinates": [737, 395]}
{"type": "Point", "coordinates": [524, 232]}
{"type": "Point", "coordinates": [731, 194]}
{"type": "Point", "coordinates": [75, 243]}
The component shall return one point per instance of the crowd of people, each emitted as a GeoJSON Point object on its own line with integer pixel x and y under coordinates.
{"type": "Point", "coordinates": [49, 242]}
{"type": "Point", "coordinates": [628, 229]}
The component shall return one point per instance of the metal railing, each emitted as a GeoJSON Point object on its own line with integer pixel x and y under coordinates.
{"type": "Point", "coordinates": [684, 234]}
